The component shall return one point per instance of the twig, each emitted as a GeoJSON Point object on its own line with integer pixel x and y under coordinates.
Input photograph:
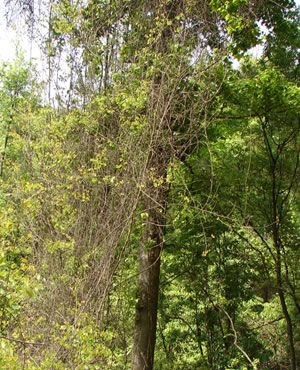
{"type": "Point", "coordinates": [236, 340]}
{"type": "Point", "coordinates": [22, 341]}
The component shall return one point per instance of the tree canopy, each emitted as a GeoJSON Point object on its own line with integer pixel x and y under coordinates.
{"type": "Point", "coordinates": [149, 188]}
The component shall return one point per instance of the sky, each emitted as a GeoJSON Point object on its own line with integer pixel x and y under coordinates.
{"type": "Point", "coordinates": [9, 38]}
{"type": "Point", "coordinates": [14, 39]}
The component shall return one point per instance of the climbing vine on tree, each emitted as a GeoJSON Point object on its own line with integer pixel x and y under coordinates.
{"type": "Point", "coordinates": [149, 199]}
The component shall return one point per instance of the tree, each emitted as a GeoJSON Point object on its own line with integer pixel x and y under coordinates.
{"type": "Point", "coordinates": [152, 96]}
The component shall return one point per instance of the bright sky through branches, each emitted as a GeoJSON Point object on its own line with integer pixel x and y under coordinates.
{"type": "Point", "coordinates": [15, 39]}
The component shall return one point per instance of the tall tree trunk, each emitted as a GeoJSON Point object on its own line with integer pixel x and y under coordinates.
{"type": "Point", "coordinates": [155, 202]}
{"type": "Point", "coordinates": [288, 320]}
{"type": "Point", "coordinates": [146, 310]}
{"type": "Point", "coordinates": [148, 284]}
{"type": "Point", "coordinates": [276, 227]}
{"type": "Point", "coordinates": [281, 294]}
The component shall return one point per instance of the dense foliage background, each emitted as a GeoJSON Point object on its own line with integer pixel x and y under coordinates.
{"type": "Point", "coordinates": [150, 198]}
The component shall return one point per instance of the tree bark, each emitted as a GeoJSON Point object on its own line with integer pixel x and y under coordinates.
{"type": "Point", "coordinates": [148, 287]}
{"type": "Point", "coordinates": [155, 203]}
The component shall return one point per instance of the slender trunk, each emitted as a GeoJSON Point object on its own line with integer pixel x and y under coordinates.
{"type": "Point", "coordinates": [49, 51]}
{"type": "Point", "coordinates": [148, 290]}
{"type": "Point", "coordinates": [198, 328]}
{"type": "Point", "coordinates": [209, 333]}
{"type": "Point", "coordinates": [146, 310]}
{"type": "Point", "coordinates": [292, 288]}
{"type": "Point", "coordinates": [285, 311]}
{"type": "Point", "coordinates": [7, 136]}
{"type": "Point", "coordinates": [289, 324]}
{"type": "Point", "coordinates": [280, 288]}
{"type": "Point", "coordinates": [276, 223]}
{"type": "Point", "coordinates": [278, 262]}
{"type": "Point", "coordinates": [3, 154]}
